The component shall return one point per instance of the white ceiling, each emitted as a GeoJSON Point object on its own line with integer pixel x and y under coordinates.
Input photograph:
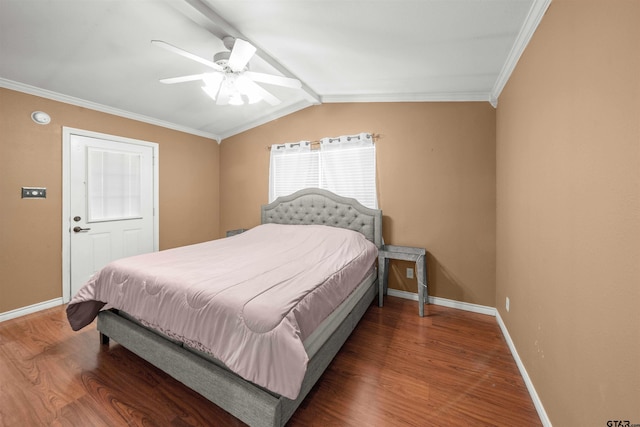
{"type": "Point", "coordinates": [97, 53]}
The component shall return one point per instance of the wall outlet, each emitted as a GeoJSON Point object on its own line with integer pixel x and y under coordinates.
{"type": "Point", "coordinates": [506, 304]}
{"type": "Point", "coordinates": [409, 273]}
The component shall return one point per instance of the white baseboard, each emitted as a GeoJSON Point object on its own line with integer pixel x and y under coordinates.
{"type": "Point", "coordinates": [525, 376]}
{"type": "Point", "coordinates": [30, 309]}
{"type": "Point", "coordinates": [483, 309]}
{"type": "Point", "coordinates": [466, 306]}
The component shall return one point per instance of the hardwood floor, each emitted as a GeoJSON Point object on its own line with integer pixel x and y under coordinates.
{"type": "Point", "coordinates": [449, 368]}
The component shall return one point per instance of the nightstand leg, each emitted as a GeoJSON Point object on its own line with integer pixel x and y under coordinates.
{"type": "Point", "coordinates": [421, 272]}
{"type": "Point", "coordinates": [380, 281]}
{"type": "Point", "coordinates": [383, 276]}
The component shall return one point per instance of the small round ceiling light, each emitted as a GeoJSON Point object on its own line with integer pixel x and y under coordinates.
{"type": "Point", "coordinates": [40, 117]}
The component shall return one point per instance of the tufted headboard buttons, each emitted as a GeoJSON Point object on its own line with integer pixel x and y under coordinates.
{"type": "Point", "coordinates": [322, 207]}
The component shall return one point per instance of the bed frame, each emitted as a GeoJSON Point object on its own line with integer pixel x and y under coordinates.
{"type": "Point", "coordinates": [246, 401]}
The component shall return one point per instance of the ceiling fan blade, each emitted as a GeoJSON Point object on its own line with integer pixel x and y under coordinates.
{"type": "Point", "coordinates": [184, 53]}
{"type": "Point", "coordinates": [254, 91]}
{"type": "Point", "coordinates": [241, 54]}
{"type": "Point", "coordinates": [182, 79]}
{"type": "Point", "coordinates": [274, 80]}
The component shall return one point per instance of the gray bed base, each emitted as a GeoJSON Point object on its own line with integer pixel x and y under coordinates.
{"type": "Point", "coordinates": [242, 399]}
{"type": "Point", "coordinates": [246, 401]}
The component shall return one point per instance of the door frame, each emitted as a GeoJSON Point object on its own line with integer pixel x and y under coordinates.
{"type": "Point", "coordinates": [66, 196]}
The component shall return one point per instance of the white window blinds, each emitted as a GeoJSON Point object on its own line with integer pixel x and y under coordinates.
{"type": "Point", "coordinates": [113, 185]}
{"type": "Point", "coordinates": [345, 165]}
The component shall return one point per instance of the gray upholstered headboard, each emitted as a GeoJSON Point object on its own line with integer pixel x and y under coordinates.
{"type": "Point", "coordinates": [316, 206]}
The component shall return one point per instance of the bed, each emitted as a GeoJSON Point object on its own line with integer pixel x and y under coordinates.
{"type": "Point", "coordinates": [216, 379]}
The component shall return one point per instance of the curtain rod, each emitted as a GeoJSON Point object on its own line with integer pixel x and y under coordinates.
{"type": "Point", "coordinates": [316, 143]}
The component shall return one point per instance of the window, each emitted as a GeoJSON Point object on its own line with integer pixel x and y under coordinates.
{"type": "Point", "coordinates": [344, 165]}
{"type": "Point", "coordinates": [113, 185]}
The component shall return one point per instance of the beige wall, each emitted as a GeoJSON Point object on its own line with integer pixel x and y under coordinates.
{"type": "Point", "coordinates": [436, 183]}
{"type": "Point", "coordinates": [31, 155]}
{"type": "Point", "coordinates": [565, 143]}
{"type": "Point", "coordinates": [568, 212]}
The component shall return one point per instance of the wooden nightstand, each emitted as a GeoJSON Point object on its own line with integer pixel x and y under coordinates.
{"type": "Point", "coordinates": [403, 253]}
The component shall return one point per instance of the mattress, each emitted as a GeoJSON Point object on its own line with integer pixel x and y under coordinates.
{"type": "Point", "coordinates": [251, 301]}
{"type": "Point", "coordinates": [315, 341]}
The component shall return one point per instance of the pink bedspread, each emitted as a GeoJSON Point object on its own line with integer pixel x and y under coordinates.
{"type": "Point", "coordinates": [249, 300]}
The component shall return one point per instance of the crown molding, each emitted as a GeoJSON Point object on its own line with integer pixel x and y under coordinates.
{"type": "Point", "coordinates": [336, 99]}
{"type": "Point", "coordinates": [537, 11]}
{"type": "Point", "coordinates": [410, 97]}
{"type": "Point", "coordinates": [55, 96]}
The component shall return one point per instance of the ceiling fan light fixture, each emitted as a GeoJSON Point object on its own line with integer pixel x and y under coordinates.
{"type": "Point", "coordinates": [232, 83]}
{"type": "Point", "coordinates": [248, 90]}
{"type": "Point", "coordinates": [213, 80]}
{"type": "Point", "coordinates": [234, 95]}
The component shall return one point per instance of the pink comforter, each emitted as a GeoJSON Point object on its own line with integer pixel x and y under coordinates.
{"type": "Point", "coordinates": [249, 300]}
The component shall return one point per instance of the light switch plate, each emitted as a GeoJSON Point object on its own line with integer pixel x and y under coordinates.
{"type": "Point", "coordinates": [34, 193]}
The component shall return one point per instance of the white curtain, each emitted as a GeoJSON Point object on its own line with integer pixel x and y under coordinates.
{"type": "Point", "coordinates": [293, 166]}
{"type": "Point", "coordinates": [345, 165]}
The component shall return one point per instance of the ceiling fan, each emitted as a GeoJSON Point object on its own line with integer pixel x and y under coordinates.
{"type": "Point", "coordinates": [231, 82]}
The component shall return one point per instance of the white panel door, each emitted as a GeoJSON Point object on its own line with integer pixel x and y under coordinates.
{"type": "Point", "coordinates": [111, 203]}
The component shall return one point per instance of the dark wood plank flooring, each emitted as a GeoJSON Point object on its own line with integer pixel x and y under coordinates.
{"type": "Point", "coordinates": [449, 368]}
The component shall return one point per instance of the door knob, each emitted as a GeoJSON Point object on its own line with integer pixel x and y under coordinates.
{"type": "Point", "coordinates": [78, 229]}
